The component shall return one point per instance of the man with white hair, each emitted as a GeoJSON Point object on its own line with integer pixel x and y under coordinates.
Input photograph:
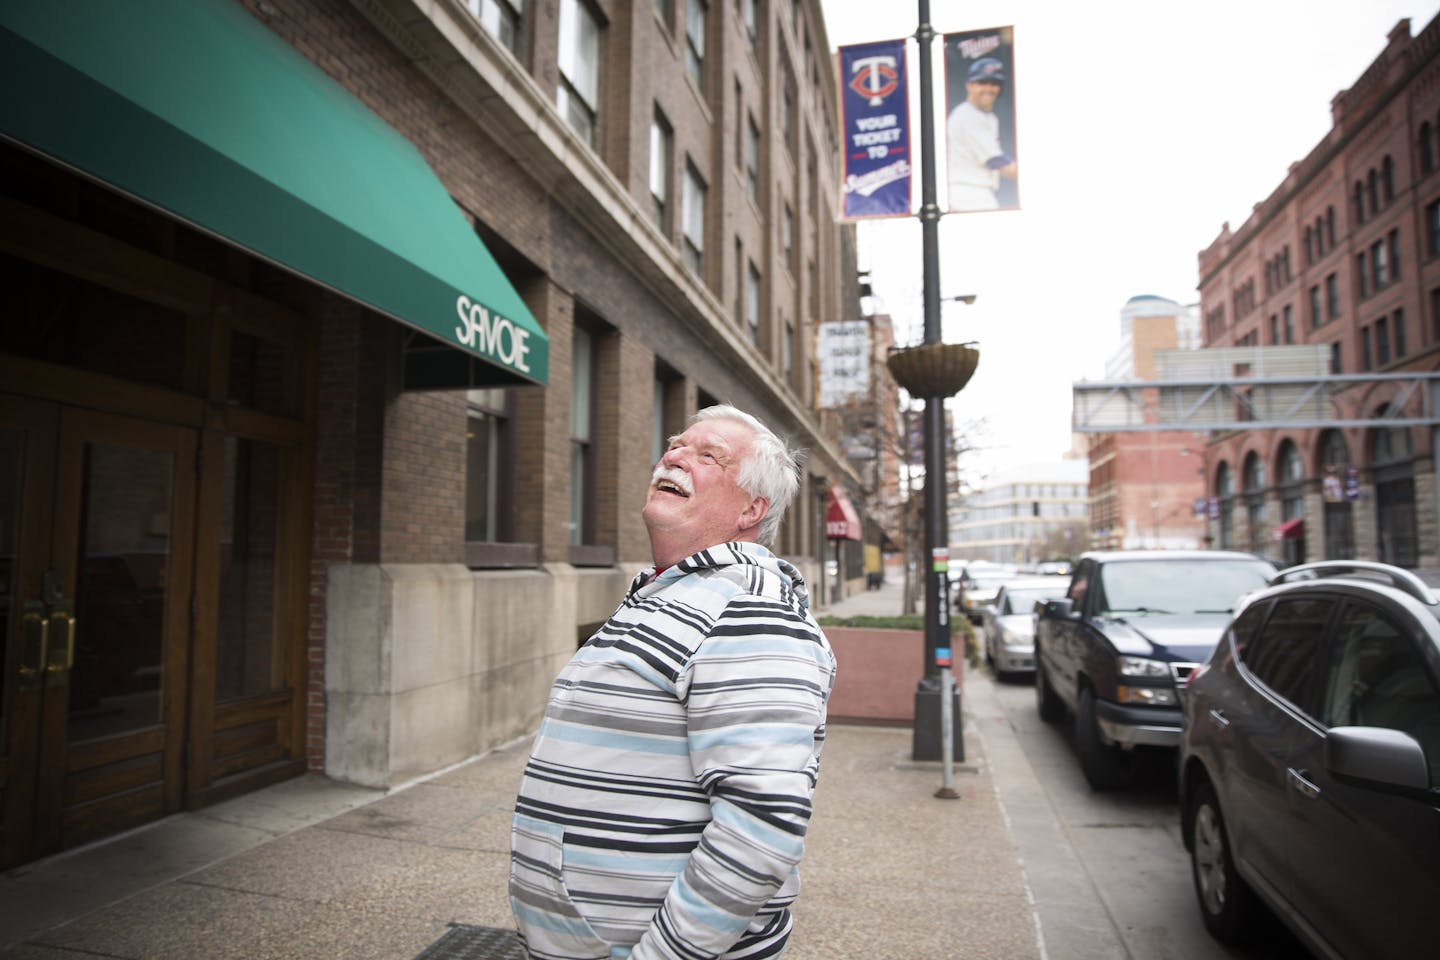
{"type": "Point", "coordinates": [664, 808]}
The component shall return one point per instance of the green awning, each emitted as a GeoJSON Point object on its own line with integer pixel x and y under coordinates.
{"type": "Point", "coordinates": [196, 107]}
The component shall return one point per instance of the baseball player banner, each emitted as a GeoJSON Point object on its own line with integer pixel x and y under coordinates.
{"type": "Point", "coordinates": [875, 125]}
{"type": "Point", "coordinates": [982, 165]}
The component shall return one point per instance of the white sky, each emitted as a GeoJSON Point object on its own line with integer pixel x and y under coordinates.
{"type": "Point", "coordinates": [1143, 126]}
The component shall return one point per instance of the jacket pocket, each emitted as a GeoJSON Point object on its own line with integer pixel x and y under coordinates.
{"type": "Point", "coordinates": [544, 911]}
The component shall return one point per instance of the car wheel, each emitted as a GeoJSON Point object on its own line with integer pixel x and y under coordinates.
{"type": "Point", "coordinates": [1047, 702]}
{"type": "Point", "coordinates": [1226, 901]}
{"type": "Point", "coordinates": [1104, 766]}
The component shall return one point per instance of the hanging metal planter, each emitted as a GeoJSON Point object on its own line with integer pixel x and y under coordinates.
{"type": "Point", "coordinates": [933, 369]}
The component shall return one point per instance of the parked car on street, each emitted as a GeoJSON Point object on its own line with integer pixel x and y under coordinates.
{"type": "Point", "coordinates": [1310, 763]}
{"type": "Point", "coordinates": [1131, 627]}
{"type": "Point", "coordinates": [1008, 625]}
{"type": "Point", "coordinates": [977, 586]}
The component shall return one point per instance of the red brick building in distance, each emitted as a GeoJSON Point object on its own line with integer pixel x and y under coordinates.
{"type": "Point", "coordinates": [1344, 253]}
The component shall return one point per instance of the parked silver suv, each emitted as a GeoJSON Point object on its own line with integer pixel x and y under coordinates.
{"type": "Point", "coordinates": [1310, 763]}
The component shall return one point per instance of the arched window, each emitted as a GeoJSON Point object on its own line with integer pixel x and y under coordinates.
{"type": "Point", "coordinates": [1225, 494]}
{"type": "Point", "coordinates": [1427, 148]}
{"type": "Point", "coordinates": [1394, 471]}
{"type": "Point", "coordinates": [1372, 192]}
{"type": "Point", "coordinates": [1359, 201]}
{"type": "Point", "coordinates": [1387, 180]}
{"type": "Point", "coordinates": [1253, 478]}
{"type": "Point", "coordinates": [1289, 480]}
{"type": "Point", "coordinates": [1329, 228]}
{"type": "Point", "coordinates": [1339, 488]}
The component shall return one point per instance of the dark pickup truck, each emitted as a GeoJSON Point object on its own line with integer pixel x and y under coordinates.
{"type": "Point", "coordinates": [1116, 651]}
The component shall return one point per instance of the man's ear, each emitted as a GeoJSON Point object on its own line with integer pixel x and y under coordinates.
{"type": "Point", "coordinates": [755, 511]}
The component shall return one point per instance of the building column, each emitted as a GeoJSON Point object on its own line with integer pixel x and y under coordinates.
{"type": "Point", "coordinates": [1367, 534]}
{"type": "Point", "coordinates": [542, 430]}
{"type": "Point", "coordinates": [1314, 507]}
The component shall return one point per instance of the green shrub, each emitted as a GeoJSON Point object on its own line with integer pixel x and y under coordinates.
{"type": "Point", "coordinates": [908, 622]}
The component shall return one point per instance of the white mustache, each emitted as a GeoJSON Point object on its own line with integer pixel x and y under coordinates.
{"type": "Point", "coordinates": [675, 475]}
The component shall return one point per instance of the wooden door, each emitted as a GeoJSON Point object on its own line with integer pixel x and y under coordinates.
{"type": "Point", "coordinates": [98, 623]}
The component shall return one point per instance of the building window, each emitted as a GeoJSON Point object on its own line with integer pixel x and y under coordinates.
{"type": "Point", "coordinates": [1358, 198]}
{"type": "Point", "coordinates": [692, 216]}
{"type": "Point", "coordinates": [787, 351]}
{"type": "Point", "coordinates": [578, 96]}
{"type": "Point", "coordinates": [1432, 228]}
{"type": "Point", "coordinates": [739, 284]}
{"type": "Point", "coordinates": [1387, 181]}
{"type": "Point", "coordinates": [752, 303]}
{"type": "Point", "coordinates": [1363, 272]}
{"type": "Point", "coordinates": [501, 19]}
{"type": "Point", "coordinates": [1336, 366]}
{"type": "Point", "coordinates": [489, 467]}
{"type": "Point", "coordinates": [1394, 246]}
{"type": "Point", "coordinates": [747, 17]}
{"type": "Point", "coordinates": [1332, 295]}
{"type": "Point", "coordinates": [1398, 322]}
{"type": "Point", "coordinates": [1315, 315]}
{"type": "Point", "coordinates": [1274, 329]}
{"type": "Point", "coordinates": [1427, 149]}
{"type": "Point", "coordinates": [787, 103]}
{"type": "Point", "coordinates": [695, 11]}
{"type": "Point", "coordinates": [787, 237]}
{"type": "Point", "coordinates": [1367, 359]}
{"type": "Point", "coordinates": [1379, 266]}
{"type": "Point", "coordinates": [1382, 341]}
{"type": "Point", "coordinates": [665, 10]}
{"type": "Point", "coordinates": [1254, 485]}
{"type": "Point", "coordinates": [582, 430]}
{"type": "Point", "coordinates": [1288, 323]}
{"type": "Point", "coordinates": [1372, 192]}
{"type": "Point", "coordinates": [662, 140]}
{"type": "Point", "coordinates": [752, 158]}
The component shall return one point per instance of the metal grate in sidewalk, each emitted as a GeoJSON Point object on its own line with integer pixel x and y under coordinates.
{"type": "Point", "coordinates": [463, 942]}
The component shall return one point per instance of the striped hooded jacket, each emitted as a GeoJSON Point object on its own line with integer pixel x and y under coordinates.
{"type": "Point", "coordinates": [664, 808]}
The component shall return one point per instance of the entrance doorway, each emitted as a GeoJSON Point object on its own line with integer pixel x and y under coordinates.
{"type": "Point", "coordinates": [96, 533]}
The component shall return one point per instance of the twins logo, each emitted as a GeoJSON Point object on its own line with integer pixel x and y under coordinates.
{"type": "Point", "coordinates": [875, 78]}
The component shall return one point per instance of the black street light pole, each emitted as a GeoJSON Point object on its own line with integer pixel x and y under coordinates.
{"type": "Point", "coordinates": [937, 584]}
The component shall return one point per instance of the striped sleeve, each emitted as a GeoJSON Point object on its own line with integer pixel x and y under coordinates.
{"type": "Point", "coordinates": [754, 695]}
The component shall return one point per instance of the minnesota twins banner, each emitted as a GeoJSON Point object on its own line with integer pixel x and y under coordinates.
{"type": "Point", "coordinates": [981, 160]}
{"type": "Point", "coordinates": [875, 120]}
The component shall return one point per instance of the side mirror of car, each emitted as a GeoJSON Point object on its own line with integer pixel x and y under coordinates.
{"type": "Point", "coordinates": [1056, 609]}
{"type": "Point", "coordinates": [1376, 757]}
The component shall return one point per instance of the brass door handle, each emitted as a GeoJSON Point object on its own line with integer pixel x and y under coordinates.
{"type": "Point", "coordinates": [34, 637]}
{"type": "Point", "coordinates": [60, 655]}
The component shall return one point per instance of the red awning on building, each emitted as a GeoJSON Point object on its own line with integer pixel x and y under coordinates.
{"type": "Point", "coordinates": [1291, 529]}
{"type": "Point", "coordinates": [841, 520]}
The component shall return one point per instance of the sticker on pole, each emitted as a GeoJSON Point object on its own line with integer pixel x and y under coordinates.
{"type": "Point", "coordinates": [942, 657]}
{"type": "Point", "coordinates": [940, 559]}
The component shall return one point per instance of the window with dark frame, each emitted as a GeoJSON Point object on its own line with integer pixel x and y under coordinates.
{"type": "Point", "coordinates": [1332, 295]}
{"type": "Point", "coordinates": [1287, 323]}
{"type": "Point", "coordinates": [1432, 228]}
{"type": "Point", "coordinates": [501, 19]}
{"type": "Point", "coordinates": [662, 145]}
{"type": "Point", "coordinates": [695, 12]}
{"type": "Point", "coordinates": [1367, 361]}
{"type": "Point", "coordinates": [581, 522]}
{"type": "Point", "coordinates": [1397, 323]}
{"type": "Point", "coordinates": [752, 158]}
{"type": "Point", "coordinates": [489, 466]}
{"type": "Point", "coordinates": [752, 303]}
{"type": "Point", "coordinates": [1382, 341]}
{"type": "Point", "coordinates": [1315, 314]}
{"type": "Point", "coordinates": [577, 96]}
{"type": "Point", "coordinates": [693, 220]}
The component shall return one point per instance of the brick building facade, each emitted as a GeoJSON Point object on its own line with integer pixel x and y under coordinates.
{"type": "Point", "coordinates": [1344, 253]}
{"type": "Point", "coordinates": [391, 553]}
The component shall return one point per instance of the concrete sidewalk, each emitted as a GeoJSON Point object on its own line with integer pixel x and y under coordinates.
{"type": "Point", "coordinates": [312, 868]}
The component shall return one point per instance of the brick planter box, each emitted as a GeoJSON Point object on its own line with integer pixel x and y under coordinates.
{"type": "Point", "coordinates": [877, 674]}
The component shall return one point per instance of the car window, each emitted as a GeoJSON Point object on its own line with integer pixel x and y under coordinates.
{"type": "Point", "coordinates": [1023, 601]}
{"type": "Point", "coordinates": [1379, 680]}
{"type": "Point", "coordinates": [1177, 586]}
{"type": "Point", "coordinates": [1283, 654]}
{"type": "Point", "coordinates": [1246, 626]}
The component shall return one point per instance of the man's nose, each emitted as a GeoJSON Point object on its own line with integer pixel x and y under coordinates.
{"type": "Point", "coordinates": [673, 457]}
